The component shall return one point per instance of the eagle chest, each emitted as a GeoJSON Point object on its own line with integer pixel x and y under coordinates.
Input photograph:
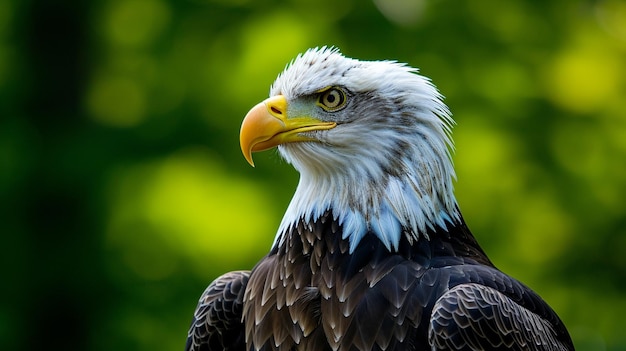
{"type": "Point", "coordinates": [311, 293]}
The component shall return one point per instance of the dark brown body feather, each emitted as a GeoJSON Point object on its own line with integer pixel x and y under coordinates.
{"type": "Point", "coordinates": [312, 294]}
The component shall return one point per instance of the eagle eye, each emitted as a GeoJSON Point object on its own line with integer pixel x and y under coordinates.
{"type": "Point", "coordinates": [332, 99]}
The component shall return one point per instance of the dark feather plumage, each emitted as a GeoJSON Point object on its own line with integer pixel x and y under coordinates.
{"type": "Point", "coordinates": [217, 324]}
{"type": "Point", "coordinates": [312, 294]}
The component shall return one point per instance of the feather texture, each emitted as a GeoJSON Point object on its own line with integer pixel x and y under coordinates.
{"type": "Point", "coordinates": [216, 324]}
{"type": "Point", "coordinates": [478, 317]}
{"type": "Point", "coordinates": [442, 294]}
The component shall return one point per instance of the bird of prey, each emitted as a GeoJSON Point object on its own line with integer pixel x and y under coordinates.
{"type": "Point", "coordinates": [372, 252]}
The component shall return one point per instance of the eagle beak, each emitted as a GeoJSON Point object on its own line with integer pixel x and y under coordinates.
{"type": "Point", "coordinates": [267, 125]}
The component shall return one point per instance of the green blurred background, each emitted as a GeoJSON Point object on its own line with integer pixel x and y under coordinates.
{"type": "Point", "coordinates": [124, 192]}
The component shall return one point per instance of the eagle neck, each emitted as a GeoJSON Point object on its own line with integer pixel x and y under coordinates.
{"type": "Point", "coordinates": [391, 207]}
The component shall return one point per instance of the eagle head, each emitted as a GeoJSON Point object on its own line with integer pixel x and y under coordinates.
{"type": "Point", "coordinates": [371, 140]}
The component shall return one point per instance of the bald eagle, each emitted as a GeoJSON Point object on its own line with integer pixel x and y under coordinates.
{"type": "Point", "coordinates": [372, 252]}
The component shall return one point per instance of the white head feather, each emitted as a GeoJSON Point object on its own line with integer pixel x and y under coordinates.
{"type": "Point", "coordinates": [386, 167]}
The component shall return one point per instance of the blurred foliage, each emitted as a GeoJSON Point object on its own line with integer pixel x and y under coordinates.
{"type": "Point", "coordinates": [124, 192]}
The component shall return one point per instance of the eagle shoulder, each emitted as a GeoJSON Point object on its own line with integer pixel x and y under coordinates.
{"type": "Point", "coordinates": [478, 315]}
{"type": "Point", "coordinates": [217, 323]}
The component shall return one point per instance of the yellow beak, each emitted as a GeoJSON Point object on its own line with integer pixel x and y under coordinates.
{"type": "Point", "coordinates": [267, 125]}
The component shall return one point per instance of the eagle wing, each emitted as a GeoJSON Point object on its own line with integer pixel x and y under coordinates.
{"type": "Point", "coordinates": [473, 316]}
{"type": "Point", "coordinates": [217, 323]}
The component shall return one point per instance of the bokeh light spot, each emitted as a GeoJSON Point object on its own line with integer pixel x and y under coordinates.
{"type": "Point", "coordinates": [611, 14]}
{"type": "Point", "coordinates": [192, 209]}
{"type": "Point", "coordinates": [579, 148]}
{"type": "Point", "coordinates": [257, 36]}
{"type": "Point", "coordinates": [136, 23]}
{"type": "Point", "coordinates": [486, 169]}
{"type": "Point", "coordinates": [116, 101]}
{"type": "Point", "coordinates": [585, 79]}
{"type": "Point", "coordinates": [541, 231]}
{"type": "Point", "coordinates": [402, 12]}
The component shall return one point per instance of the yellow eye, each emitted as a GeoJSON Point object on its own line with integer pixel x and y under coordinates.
{"type": "Point", "coordinates": [332, 99]}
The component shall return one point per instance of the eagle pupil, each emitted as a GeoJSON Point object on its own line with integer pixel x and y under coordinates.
{"type": "Point", "coordinates": [332, 99]}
